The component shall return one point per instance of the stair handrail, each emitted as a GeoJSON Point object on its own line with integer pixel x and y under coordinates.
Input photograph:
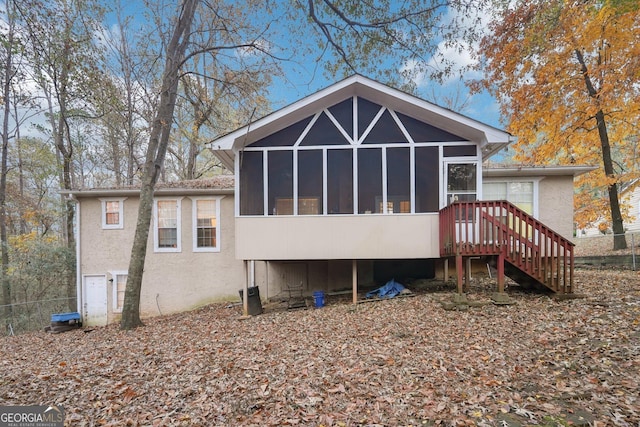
{"type": "Point", "coordinates": [493, 227]}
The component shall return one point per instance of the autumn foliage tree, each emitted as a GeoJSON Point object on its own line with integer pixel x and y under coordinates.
{"type": "Point", "coordinates": [566, 76]}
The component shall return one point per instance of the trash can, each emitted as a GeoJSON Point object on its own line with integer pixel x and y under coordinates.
{"type": "Point", "coordinates": [318, 299]}
{"type": "Point", "coordinates": [253, 300]}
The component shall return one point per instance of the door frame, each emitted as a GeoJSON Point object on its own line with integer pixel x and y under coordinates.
{"type": "Point", "coordinates": [85, 295]}
{"type": "Point", "coordinates": [445, 178]}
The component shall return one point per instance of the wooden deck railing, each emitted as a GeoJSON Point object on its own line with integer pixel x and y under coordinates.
{"type": "Point", "coordinates": [499, 228]}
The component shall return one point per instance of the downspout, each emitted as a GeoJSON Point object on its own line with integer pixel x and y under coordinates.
{"type": "Point", "coordinates": [245, 293]}
{"type": "Point", "coordinates": [79, 296]}
{"type": "Point", "coordinates": [252, 272]}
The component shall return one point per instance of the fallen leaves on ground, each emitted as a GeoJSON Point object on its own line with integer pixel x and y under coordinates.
{"type": "Point", "coordinates": [404, 361]}
{"type": "Point", "coordinates": [603, 246]}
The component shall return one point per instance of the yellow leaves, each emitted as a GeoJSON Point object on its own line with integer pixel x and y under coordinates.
{"type": "Point", "coordinates": [603, 227]}
{"type": "Point", "coordinates": [23, 242]}
{"type": "Point", "coordinates": [554, 66]}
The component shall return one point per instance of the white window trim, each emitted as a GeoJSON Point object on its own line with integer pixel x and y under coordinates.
{"type": "Point", "coordinates": [194, 223]}
{"type": "Point", "coordinates": [103, 203]}
{"type": "Point", "coordinates": [178, 247]}
{"type": "Point", "coordinates": [536, 186]}
{"type": "Point", "coordinates": [114, 286]}
{"type": "Point", "coordinates": [444, 184]}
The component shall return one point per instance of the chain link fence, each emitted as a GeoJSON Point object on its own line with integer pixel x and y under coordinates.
{"type": "Point", "coordinates": [33, 315]}
{"type": "Point", "coordinates": [597, 251]}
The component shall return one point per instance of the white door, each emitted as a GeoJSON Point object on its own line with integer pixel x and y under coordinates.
{"type": "Point", "coordinates": [94, 307]}
{"type": "Point", "coordinates": [461, 182]}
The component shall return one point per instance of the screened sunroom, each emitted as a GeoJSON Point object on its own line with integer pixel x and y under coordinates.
{"type": "Point", "coordinates": [355, 158]}
{"type": "Point", "coordinates": [356, 171]}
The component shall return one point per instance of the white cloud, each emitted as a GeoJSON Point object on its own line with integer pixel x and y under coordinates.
{"type": "Point", "coordinates": [455, 59]}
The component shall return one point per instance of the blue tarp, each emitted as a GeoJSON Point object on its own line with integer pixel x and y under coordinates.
{"type": "Point", "coordinates": [389, 290]}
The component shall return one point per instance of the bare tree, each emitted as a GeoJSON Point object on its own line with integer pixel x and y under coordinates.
{"type": "Point", "coordinates": [8, 73]}
{"type": "Point", "coordinates": [156, 151]}
{"type": "Point", "coordinates": [64, 64]}
{"type": "Point", "coordinates": [356, 36]}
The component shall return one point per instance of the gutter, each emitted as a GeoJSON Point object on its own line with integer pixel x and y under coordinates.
{"type": "Point", "coordinates": [541, 170]}
{"type": "Point", "coordinates": [136, 192]}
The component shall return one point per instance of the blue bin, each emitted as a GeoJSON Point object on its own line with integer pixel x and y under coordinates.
{"type": "Point", "coordinates": [66, 317]}
{"type": "Point", "coordinates": [318, 299]}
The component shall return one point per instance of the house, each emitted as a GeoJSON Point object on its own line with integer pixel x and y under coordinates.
{"type": "Point", "coordinates": [348, 187]}
{"type": "Point", "coordinates": [629, 196]}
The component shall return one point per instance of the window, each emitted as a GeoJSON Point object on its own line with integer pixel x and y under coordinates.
{"type": "Point", "coordinates": [280, 179]}
{"type": "Point", "coordinates": [119, 284]}
{"type": "Point", "coordinates": [399, 180]}
{"type": "Point", "coordinates": [520, 193]}
{"type": "Point", "coordinates": [206, 214]}
{"type": "Point", "coordinates": [112, 216]}
{"type": "Point", "coordinates": [459, 151]}
{"type": "Point", "coordinates": [461, 182]}
{"type": "Point", "coordinates": [340, 181]}
{"type": "Point", "coordinates": [251, 183]}
{"type": "Point", "coordinates": [310, 191]}
{"type": "Point", "coordinates": [370, 181]}
{"type": "Point", "coordinates": [167, 225]}
{"type": "Point", "coordinates": [356, 157]}
{"type": "Point", "coordinates": [427, 183]}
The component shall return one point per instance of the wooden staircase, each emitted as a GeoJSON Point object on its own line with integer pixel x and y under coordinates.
{"type": "Point", "coordinates": [522, 247]}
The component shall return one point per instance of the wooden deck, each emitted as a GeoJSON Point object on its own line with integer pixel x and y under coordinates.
{"type": "Point", "coordinates": [525, 249]}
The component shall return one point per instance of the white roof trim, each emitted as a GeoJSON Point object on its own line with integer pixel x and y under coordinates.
{"type": "Point", "coordinates": [358, 85]}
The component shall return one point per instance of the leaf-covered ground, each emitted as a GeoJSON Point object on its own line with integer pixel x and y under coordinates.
{"type": "Point", "coordinates": [405, 361]}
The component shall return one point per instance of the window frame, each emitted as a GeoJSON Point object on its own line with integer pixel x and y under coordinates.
{"type": "Point", "coordinates": [417, 137]}
{"type": "Point", "coordinates": [103, 210]}
{"type": "Point", "coordinates": [114, 284]}
{"type": "Point", "coordinates": [178, 247]}
{"type": "Point", "coordinates": [449, 195]}
{"type": "Point", "coordinates": [535, 190]}
{"type": "Point", "coordinates": [194, 223]}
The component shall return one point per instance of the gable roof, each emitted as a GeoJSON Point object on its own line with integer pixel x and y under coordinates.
{"type": "Point", "coordinates": [490, 138]}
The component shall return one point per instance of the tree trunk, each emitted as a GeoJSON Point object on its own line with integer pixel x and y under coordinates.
{"type": "Point", "coordinates": [66, 152]}
{"type": "Point", "coordinates": [21, 210]}
{"type": "Point", "coordinates": [6, 93]}
{"type": "Point", "coordinates": [156, 151]}
{"type": "Point", "coordinates": [617, 224]}
{"type": "Point", "coordinates": [619, 239]}
{"type": "Point", "coordinates": [131, 307]}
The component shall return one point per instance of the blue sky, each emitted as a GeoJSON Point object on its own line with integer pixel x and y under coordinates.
{"type": "Point", "coordinates": [302, 79]}
{"type": "Point", "coordinates": [482, 107]}
{"type": "Point", "coordinates": [305, 79]}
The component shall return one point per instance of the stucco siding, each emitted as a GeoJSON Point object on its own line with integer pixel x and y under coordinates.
{"type": "Point", "coordinates": [173, 281]}
{"type": "Point", "coordinates": [337, 237]}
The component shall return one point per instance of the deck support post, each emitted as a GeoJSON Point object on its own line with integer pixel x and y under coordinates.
{"type": "Point", "coordinates": [459, 268]}
{"type": "Point", "coordinates": [467, 275]}
{"type": "Point", "coordinates": [445, 269]}
{"type": "Point", "coordinates": [245, 293]}
{"type": "Point", "coordinates": [354, 280]}
{"type": "Point", "coordinates": [501, 273]}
